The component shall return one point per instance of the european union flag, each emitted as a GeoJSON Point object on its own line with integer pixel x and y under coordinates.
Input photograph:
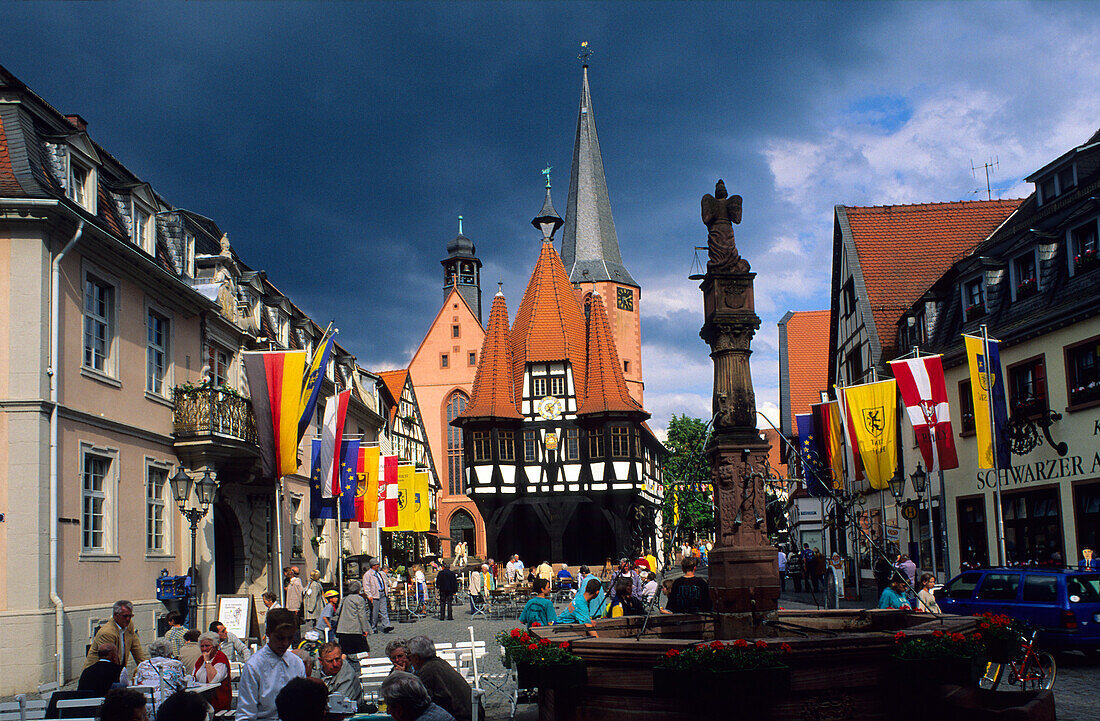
{"type": "Point", "coordinates": [320, 507]}
{"type": "Point", "coordinates": [813, 470]}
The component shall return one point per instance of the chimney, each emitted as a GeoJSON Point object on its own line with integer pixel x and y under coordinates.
{"type": "Point", "coordinates": [78, 122]}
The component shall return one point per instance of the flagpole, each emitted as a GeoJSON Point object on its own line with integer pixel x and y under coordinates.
{"type": "Point", "coordinates": [849, 478]}
{"type": "Point", "coordinates": [279, 534]}
{"type": "Point", "coordinates": [931, 518]}
{"type": "Point", "coordinates": [989, 381]}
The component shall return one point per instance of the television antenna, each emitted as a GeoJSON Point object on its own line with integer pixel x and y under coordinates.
{"type": "Point", "coordinates": [990, 167]}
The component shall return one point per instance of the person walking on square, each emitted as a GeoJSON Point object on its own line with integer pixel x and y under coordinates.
{"type": "Point", "coordinates": [446, 583]}
{"type": "Point", "coordinates": [782, 570]}
{"type": "Point", "coordinates": [295, 593]}
{"type": "Point", "coordinates": [314, 601]}
{"type": "Point", "coordinates": [821, 566]}
{"type": "Point", "coordinates": [375, 585]}
{"type": "Point", "coordinates": [353, 620]}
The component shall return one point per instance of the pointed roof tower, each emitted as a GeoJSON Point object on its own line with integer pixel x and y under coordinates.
{"type": "Point", "coordinates": [493, 394]}
{"type": "Point", "coordinates": [590, 247]}
{"type": "Point", "coordinates": [604, 386]}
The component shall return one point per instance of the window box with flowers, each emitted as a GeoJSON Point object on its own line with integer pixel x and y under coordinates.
{"type": "Point", "coordinates": [975, 311]}
{"type": "Point", "coordinates": [938, 659]}
{"type": "Point", "coordinates": [1086, 260]}
{"type": "Point", "coordinates": [542, 663]}
{"type": "Point", "coordinates": [710, 674]}
{"type": "Point", "coordinates": [1026, 288]}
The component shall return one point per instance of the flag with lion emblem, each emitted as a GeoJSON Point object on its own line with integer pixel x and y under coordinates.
{"type": "Point", "coordinates": [872, 414]}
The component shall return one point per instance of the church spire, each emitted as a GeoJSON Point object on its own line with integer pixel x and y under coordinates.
{"type": "Point", "coordinates": [590, 247]}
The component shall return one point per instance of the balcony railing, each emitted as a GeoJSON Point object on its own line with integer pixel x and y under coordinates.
{"type": "Point", "coordinates": [205, 411]}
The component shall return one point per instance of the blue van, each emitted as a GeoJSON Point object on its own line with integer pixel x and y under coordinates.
{"type": "Point", "coordinates": [1063, 603]}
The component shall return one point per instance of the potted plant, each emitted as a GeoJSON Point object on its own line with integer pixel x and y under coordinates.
{"type": "Point", "coordinates": [1000, 635]}
{"type": "Point", "coordinates": [542, 662]}
{"type": "Point", "coordinates": [939, 658]}
{"type": "Point", "coordinates": [709, 673]}
{"type": "Point", "coordinates": [1026, 287]}
{"type": "Point", "coordinates": [1085, 259]}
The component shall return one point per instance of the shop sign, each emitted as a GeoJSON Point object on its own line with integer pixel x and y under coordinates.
{"type": "Point", "coordinates": [1052, 469]}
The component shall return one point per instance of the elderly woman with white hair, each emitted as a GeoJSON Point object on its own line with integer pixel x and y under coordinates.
{"type": "Point", "coordinates": [212, 666]}
{"type": "Point", "coordinates": [408, 700]}
{"type": "Point", "coordinates": [353, 620]}
{"type": "Point", "coordinates": [160, 671]}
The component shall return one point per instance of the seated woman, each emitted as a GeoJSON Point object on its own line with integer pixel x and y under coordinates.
{"type": "Point", "coordinates": [623, 602]}
{"type": "Point", "coordinates": [539, 609]}
{"type": "Point", "coordinates": [565, 578]}
{"type": "Point", "coordinates": [163, 673]}
{"type": "Point", "coordinates": [213, 667]}
{"type": "Point", "coordinates": [398, 655]}
{"type": "Point", "coordinates": [893, 596]}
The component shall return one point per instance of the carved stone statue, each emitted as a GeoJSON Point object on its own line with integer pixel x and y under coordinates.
{"type": "Point", "coordinates": [720, 212]}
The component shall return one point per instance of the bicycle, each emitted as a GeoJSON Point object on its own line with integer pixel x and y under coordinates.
{"type": "Point", "coordinates": [1034, 670]}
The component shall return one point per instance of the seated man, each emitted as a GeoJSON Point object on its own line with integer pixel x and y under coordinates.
{"type": "Point", "coordinates": [104, 673]}
{"type": "Point", "coordinates": [407, 699]}
{"type": "Point", "coordinates": [302, 699]}
{"type": "Point", "coordinates": [269, 670]}
{"type": "Point", "coordinates": [578, 610]}
{"type": "Point", "coordinates": [445, 685]}
{"type": "Point", "coordinates": [189, 651]}
{"type": "Point", "coordinates": [229, 644]}
{"type": "Point", "coordinates": [539, 609]}
{"type": "Point", "coordinates": [565, 578]}
{"type": "Point", "coordinates": [689, 594]}
{"type": "Point", "coordinates": [623, 602]}
{"type": "Point", "coordinates": [339, 677]}
{"type": "Point", "coordinates": [122, 704]}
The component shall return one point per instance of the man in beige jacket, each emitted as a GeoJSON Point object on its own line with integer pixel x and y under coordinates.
{"type": "Point", "coordinates": [120, 632]}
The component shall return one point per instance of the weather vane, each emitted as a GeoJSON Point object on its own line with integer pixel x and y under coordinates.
{"type": "Point", "coordinates": [460, 225]}
{"type": "Point", "coordinates": [585, 53]}
{"type": "Point", "coordinates": [546, 172]}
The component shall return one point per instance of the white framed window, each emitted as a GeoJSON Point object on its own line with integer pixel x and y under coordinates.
{"type": "Point", "coordinates": [538, 387]}
{"type": "Point", "coordinates": [557, 386]}
{"type": "Point", "coordinates": [82, 184]}
{"type": "Point", "coordinates": [99, 323]}
{"type": "Point", "coordinates": [1024, 270]}
{"type": "Point", "coordinates": [1083, 255]}
{"type": "Point", "coordinates": [158, 334]}
{"type": "Point", "coordinates": [219, 361]}
{"type": "Point", "coordinates": [297, 532]}
{"type": "Point", "coordinates": [142, 233]}
{"type": "Point", "coordinates": [98, 482]}
{"type": "Point", "coordinates": [157, 529]}
{"type": "Point", "coordinates": [188, 255]}
{"type": "Point", "coordinates": [973, 297]}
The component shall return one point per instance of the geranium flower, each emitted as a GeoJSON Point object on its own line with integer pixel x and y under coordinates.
{"type": "Point", "coordinates": [785, 647]}
{"type": "Point", "coordinates": [535, 623]}
{"type": "Point", "coordinates": [671, 653]}
{"type": "Point", "coordinates": [564, 645]}
{"type": "Point", "coordinates": [983, 626]}
{"type": "Point", "coordinates": [977, 636]}
{"type": "Point", "coordinates": [937, 634]}
{"type": "Point", "coordinates": [525, 638]}
{"type": "Point", "coordinates": [740, 643]}
{"type": "Point", "coordinates": [532, 647]}
{"type": "Point", "coordinates": [761, 643]}
{"type": "Point", "coordinates": [516, 633]}
{"type": "Point", "coordinates": [958, 637]}
{"type": "Point", "coordinates": [899, 637]}
{"type": "Point", "coordinates": [544, 641]}
{"type": "Point", "coordinates": [717, 645]}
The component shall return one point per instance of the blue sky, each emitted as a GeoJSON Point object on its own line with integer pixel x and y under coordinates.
{"type": "Point", "coordinates": [338, 143]}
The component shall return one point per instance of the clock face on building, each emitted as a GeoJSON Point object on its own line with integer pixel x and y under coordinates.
{"type": "Point", "coordinates": [550, 408]}
{"type": "Point", "coordinates": [625, 299]}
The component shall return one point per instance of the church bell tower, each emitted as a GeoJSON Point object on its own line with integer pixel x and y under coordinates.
{"type": "Point", "coordinates": [462, 269]}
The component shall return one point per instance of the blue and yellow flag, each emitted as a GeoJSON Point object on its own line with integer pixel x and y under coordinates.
{"type": "Point", "coordinates": [320, 507]}
{"type": "Point", "coordinates": [982, 370]}
{"type": "Point", "coordinates": [814, 472]}
{"type": "Point", "coordinates": [311, 385]}
{"type": "Point", "coordinates": [872, 413]}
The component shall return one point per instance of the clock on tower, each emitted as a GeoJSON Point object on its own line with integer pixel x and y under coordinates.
{"type": "Point", "coordinates": [625, 299]}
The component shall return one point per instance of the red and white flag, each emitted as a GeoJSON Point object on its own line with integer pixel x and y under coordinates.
{"type": "Point", "coordinates": [332, 435]}
{"type": "Point", "coordinates": [924, 393]}
{"type": "Point", "coordinates": [387, 491]}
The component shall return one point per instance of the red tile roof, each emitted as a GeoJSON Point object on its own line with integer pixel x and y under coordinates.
{"type": "Point", "coordinates": [9, 186]}
{"type": "Point", "coordinates": [395, 384]}
{"type": "Point", "coordinates": [493, 395]}
{"type": "Point", "coordinates": [604, 386]}
{"type": "Point", "coordinates": [903, 249]}
{"type": "Point", "coordinates": [549, 323]}
{"type": "Point", "coordinates": [807, 359]}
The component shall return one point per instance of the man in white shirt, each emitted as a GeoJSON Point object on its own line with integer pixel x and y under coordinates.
{"type": "Point", "coordinates": [269, 669]}
{"type": "Point", "coordinates": [782, 570]}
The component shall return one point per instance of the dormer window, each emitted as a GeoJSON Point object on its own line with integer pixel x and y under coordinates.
{"type": "Point", "coordinates": [143, 228]}
{"type": "Point", "coordinates": [1025, 277]}
{"type": "Point", "coordinates": [1066, 180]}
{"type": "Point", "coordinates": [973, 298]}
{"type": "Point", "coordinates": [915, 332]}
{"type": "Point", "coordinates": [1056, 184]}
{"type": "Point", "coordinates": [188, 255]}
{"type": "Point", "coordinates": [1083, 247]}
{"type": "Point", "coordinates": [81, 184]}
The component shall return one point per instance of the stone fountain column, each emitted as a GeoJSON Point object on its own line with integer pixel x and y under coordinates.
{"type": "Point", "coordinates": [744, 572]}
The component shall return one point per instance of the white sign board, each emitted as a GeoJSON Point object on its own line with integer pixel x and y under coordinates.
{"type": "Point", "coordinates": [235, 613]}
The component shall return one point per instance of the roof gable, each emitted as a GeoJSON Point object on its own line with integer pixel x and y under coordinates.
{"type": "Point", "coordinates": [438, 327]}
{"type": "Point", "coordinates": [901, 250]}
{"type": "Point", "coordinates": [549, 324]}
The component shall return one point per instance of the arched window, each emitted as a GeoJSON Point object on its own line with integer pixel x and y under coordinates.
{"type": "Point", "coordinates": [455, 404]}
{"type": "Point", "coordinates": [462, 529]}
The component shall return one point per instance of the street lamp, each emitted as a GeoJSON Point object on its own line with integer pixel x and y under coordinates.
{"type": "Point", "coordinates": [897, 486]}
{"type": "Point", "coordinates": [920, 483]}
{"type": "Point", "coordinates": [205, 488]}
